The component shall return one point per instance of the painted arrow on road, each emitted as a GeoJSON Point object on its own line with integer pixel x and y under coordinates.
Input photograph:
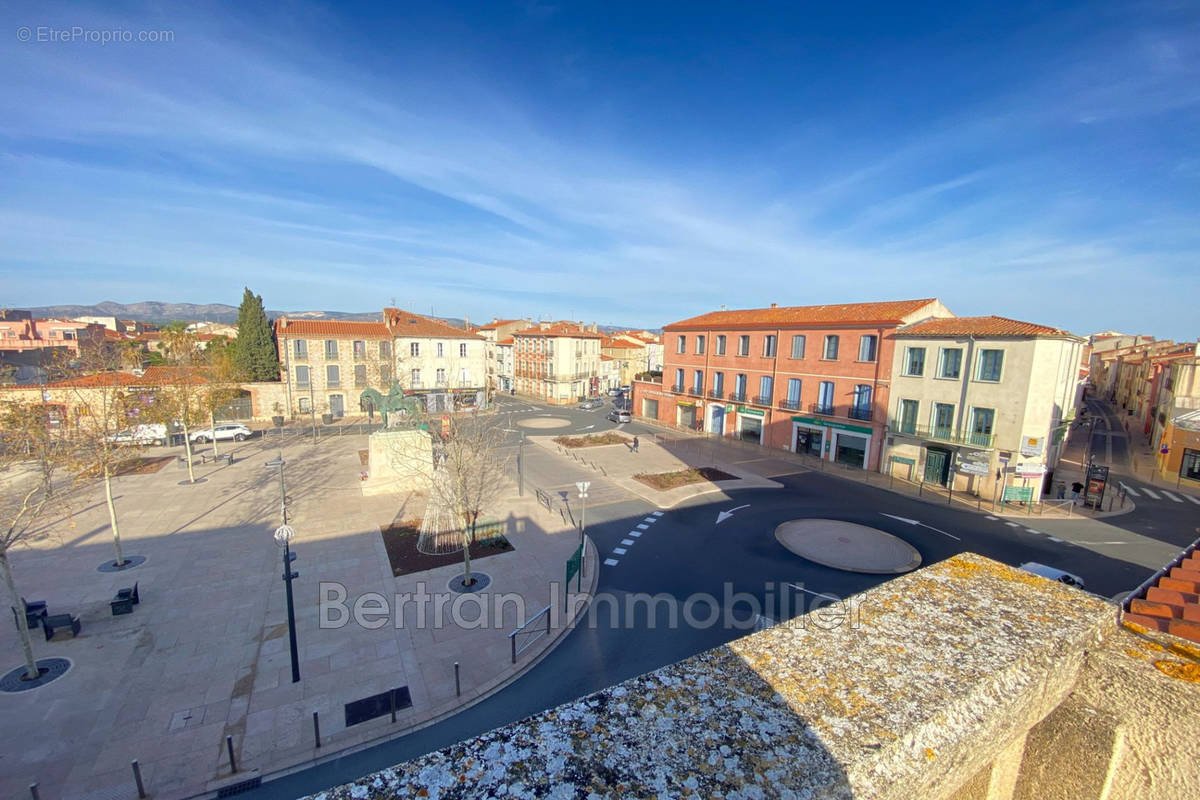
{"type": "Point", "coordinates": [589, 427]}
{"type": "Point", "coordinates": [922, 524]}
{"type": "Point", "coordinates": [724, 515]}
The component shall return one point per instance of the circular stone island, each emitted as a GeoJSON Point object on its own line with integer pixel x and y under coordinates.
{"type": "Point", "coordinates": [544, 422]}
{"type": "Point", "coordinates": [847, 546]}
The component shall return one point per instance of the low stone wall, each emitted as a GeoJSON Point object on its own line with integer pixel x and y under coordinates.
{"type": "Point", "coordinates": [961, 680]}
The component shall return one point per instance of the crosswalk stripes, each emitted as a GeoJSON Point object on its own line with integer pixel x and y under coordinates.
{"type": "Point", "coordinates": [1194, 500]}
{"type": "Point", "coordinates": [1129, 490]}
{"type": "Point", "coordinates": [642, 527]}
{"type": "Point", "coordinates": [1150, 493]}
{"type": "Point", "coordinates": [1170, 496]}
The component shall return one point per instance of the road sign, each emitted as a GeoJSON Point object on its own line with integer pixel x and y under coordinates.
{"type": "Point", "coordinates": [445, 424]}
{"type": "Point", "coordinates": [582, 486]}
{"type": "Point", "coordinates": [573, 564]}
{"type": "Point", "coordinates": [1032, 445]}
{"type": "Point", "coordinates": [1018, 494]}
{"type": "Point", "coordinates": [1030, 469]}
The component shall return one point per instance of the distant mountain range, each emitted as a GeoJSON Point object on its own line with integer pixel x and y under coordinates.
{"type": "Point", "coordinates": [151, 311]}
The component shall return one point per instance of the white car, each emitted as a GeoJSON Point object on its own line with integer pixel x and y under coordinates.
{"type": "Point", "coordinates": [1052, 573]}
{"type": "Point", "coordinates": [230, 430]}
{"type": "Point", "coordinates": [140, 435]}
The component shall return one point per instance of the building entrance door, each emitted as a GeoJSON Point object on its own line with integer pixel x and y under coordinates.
{"type": "Point", "coordinates": [336, 405]}
{"type": "Point", "coordinates": [808, 441]}
{"type": "Point", "coordinates": [937, 465]}
{"type": "Point", "coordinates": [717, 424]}
{"type": "Point", "coordinates": [687, 417]}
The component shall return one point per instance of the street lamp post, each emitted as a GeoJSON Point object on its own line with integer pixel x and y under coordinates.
{"type": "Point", "coordinates": [283, 536]}
{"type": "Point", "coordinates": [582, 486]}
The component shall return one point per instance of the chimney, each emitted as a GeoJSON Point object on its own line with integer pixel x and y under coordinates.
{"type": "Point", "coordinates": [283, 323]}
{"type": "Point", "coordinates": [774, 305]}
{"type": "Point", "coordinates": [594, 328]}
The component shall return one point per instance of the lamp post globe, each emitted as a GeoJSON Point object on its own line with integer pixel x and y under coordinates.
{"type": "Point", "coordinates": [284, 534]}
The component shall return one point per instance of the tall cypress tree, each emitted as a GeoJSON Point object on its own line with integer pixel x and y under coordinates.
{"type": "Point", "coordinates": [254, 354]}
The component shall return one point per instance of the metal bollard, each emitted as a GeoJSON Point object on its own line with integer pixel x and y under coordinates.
{"type": "Point", "coordinates": [137, 779]}
{"type": "Point", "coordinates": [33, 790]}
{"type": "Point", "coordinates": [392, 698]}
{"type": "Point", "coordinates": [457, 685]}
{"type": "Point", "coordinates": [316, 729]}
{"type": "Point", "coordinates": [232, 760]}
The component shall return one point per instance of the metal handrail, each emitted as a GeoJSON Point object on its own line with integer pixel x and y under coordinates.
{"type": "Point", "coordinates": [512, 637]}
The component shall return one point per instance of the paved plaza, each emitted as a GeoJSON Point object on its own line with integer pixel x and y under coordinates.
{"type": "Point", "coordinates": [205, 653]}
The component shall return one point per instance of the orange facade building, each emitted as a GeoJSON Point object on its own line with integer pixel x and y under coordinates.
{"type": "Point", "coordinates": [809, 379]}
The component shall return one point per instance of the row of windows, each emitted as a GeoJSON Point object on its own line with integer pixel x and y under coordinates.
{"type": "Point", "coordinates": [538, 344]}
{"type": "Point", "coordinates": [868, 346]}
{"type": "Point", "coordinates": [988, 366]}
{"type": "Point", "coordinates": [359, 348]}
{"type": "Point", "coordinates": [860, 406]}
{"type": "Point", "coordinates": [980, 428]}
{"type": "Point", "coordinates": [333, 376]}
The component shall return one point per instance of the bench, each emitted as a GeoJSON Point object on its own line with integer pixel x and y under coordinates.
{"type": "Point", "coordinates": [34, 612]}
{"type": "Point", "coordinates": [226, 457]}
{"type": "Point", "coordinates": [125, 600]}
{"type": "Point", "coordinates": [60, 622]}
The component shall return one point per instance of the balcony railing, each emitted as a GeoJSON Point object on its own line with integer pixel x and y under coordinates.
{"type": "Point", "coordinates": [942, 434]}
{"type": "Point", "coordinates": [696, 391]}
{"type": "Point", "coordinates": [821, 408]}
{"type": "Point", "coordinates": [716, 394]}
{"type": "Point", "coordinates": [678, 387]}
{"type": "Point", "coordinates": [761, 400]}
{"type": "Point", "coordinates": [860, 413]}
{"type": "Point", "coordinates": [737, 397]}
{"type": "Point", "coordinates": [790, 405]}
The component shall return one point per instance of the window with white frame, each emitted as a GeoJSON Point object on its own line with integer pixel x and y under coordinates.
{"type": "Point", "coordinates": [914, 361]}
{"type": "Point", "coordinates": [721, 344]}
{"type": "Point", "coordinates": [302, 376]}
{"type": "Point", "coordinates": [743, 345]}
{"type": "Point", "coordinates": [769, 345]}
{"type": "Point", "coordinates": [441, 349]}
{"type": "Point", "coordinates": [867, 347]}
{"type": "Point", "coordinates": [414, 349]}
{"type": "Point", "coordinates": [831, 348]}
{"type": "Point", "coordinates": [462, 350]}
{"type": "Point", "coordinates": [950, 363]}
{"type": "Point", "coordinates": [681, 345]}
{"type": "Point", "coordinates": [991, 363]}
{"type": "Point", "coordinates": [333, 375]}
{"type": "Point", "coordinates": [699, 345]}
{"type": "Point", "coordinates": [300, 348]}
{"type": "Point", "coordinates": [798, 346]}
{"type": "Point", "coordinates": [331, 349]}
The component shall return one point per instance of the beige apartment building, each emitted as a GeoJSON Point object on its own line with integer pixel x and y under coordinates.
{"type": "Point", "coordinates": [630, 355]}
{"type": "Point", "coordinates": [493, 333]}
{"type": "Point", "coordinates": [557, 362]}
{"type": "Point", "coordinates": [326, 364]}
{"type": "Point", "coordinates": [980, 403]}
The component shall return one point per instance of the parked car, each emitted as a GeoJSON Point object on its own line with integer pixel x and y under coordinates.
{"type": "Point", "coordinates": [614, 392]}
{"type": "Point", "coordinates": [155, 433]}
{"type": "Point", "coordinates": [620, 415]}
{"type": "Point", "coordinates": [588, 405]}
{"type": "Point", "coordinates": [230, 430]}
{"type": "Point", "coordinates": [1052, 573]}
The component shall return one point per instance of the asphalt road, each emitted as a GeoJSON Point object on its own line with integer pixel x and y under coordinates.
{"type": "Point", "coordinates": [685, 551]}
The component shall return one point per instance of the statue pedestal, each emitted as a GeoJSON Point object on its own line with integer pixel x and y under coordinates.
{"type": "Point", "coordinates": [398, 461]}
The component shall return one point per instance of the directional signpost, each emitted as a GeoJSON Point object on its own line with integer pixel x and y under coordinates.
{"type": "Point", "coordinates": [582, 486]}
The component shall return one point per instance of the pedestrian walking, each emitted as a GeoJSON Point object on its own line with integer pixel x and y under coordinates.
{"type": "Point", "coordinates": [635, 444]}
{"type": "Point", "coordinates": [1076, 488]}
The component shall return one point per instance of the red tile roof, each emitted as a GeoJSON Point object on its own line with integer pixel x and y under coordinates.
{"type": "Point", "coordinates": [557, 329]}
{"type": "Point", "coordinates": [406, 323]}
{"type": "Point", "coordinates": [165, 376]}
{"type": "Point", "coordinates": [98, 379]}
{"type": "Point", "coordinates": [979, 326]}
{"type": "Point", "coordinates": [491, 326]}
{"type": "Point", "coordinates": [331, 327]}
{"type": "Point", "coordinates": [892, 312]}
{"type": "Point", "coordinates": [509, 340]}
{"type": "Point", "coordinates": [1171, 604]}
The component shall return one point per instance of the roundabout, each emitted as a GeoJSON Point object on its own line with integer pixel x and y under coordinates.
{"type": "Point", "coordinates": [544, 423]}
{"type": "Point", "coordinates": [848, 546]}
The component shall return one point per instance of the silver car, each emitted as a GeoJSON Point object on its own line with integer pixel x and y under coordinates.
{"type": "Point", "coordinates": [620, 415]}
{"type": "Point", "coordinates": [1052, 573]}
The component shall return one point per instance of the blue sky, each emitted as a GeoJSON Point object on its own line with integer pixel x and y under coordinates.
{"type": "Point", "coordinates": [624, 163]}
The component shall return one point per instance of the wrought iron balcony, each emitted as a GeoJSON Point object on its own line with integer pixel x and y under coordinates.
{"type": "Point", "coordinates": [716, 394]}
{"type": "Point", "coordinates": [737, 397]}
{"type": "Point", "coordinates": [942, 434]}
{"type": "Point", "coordinates": [761, 400]}
{"type": "Point", "coordinates": [696, 391]}
{"type": "Point", "coordinates": [860, 413]}
{"type": "Point", "coordinates": [678, 387]}
{"type": "Point", "coordinates": [790, 405]}
{"type": "Point", "coordinates": [821, 408]}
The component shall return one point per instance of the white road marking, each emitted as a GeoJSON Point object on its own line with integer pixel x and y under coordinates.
{"type": "Point", "coordinates": [627, 542]}
{"type": "Point", "coordinates": [650, 520]}
{"type": "Point", "coordinates": [818, 594]}
{"type": "Point", "coordinates": [611, 562]}
{"type": "Point", "coordinates": [620, 551]}
{"type": "Point", "coordinates": [1055, 539]}
{"type": "Point", "coordinates": [657, 514]}
{"type": "Point", "coordinates": [1170, 496]}
{"type": "Point", "coordinates": [993, 519]}
{"type": "Point", "coordinates": [643, 527]}
{"type": "Point", "coordinates": [1150, 493]}
{"type": "Point", "coordinates": [1130, 490]}
{"type": "Point", "coordinates": [1194, 500]}
{"type": "Point", "coordinates": [635, 534]}
{"type": "Point", "coordinates": [1012, 524]}
{"type": "Point", "coordinates": [1031, 530]}
{"type": "Point", "coordinates": [923, 525]}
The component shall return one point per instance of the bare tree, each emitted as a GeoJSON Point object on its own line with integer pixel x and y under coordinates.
{"type": "Point", "coordinates": [465, 473]}
{"type": "Point", "coordinates": [182, 395]}
{"type": "Point", "coordinates": [104, 404]}
{"type": "Point", "coordinates": [30, 454]}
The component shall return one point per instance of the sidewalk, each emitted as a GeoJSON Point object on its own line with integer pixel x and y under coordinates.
{"type": "Point", "coordinates": [205, 654]}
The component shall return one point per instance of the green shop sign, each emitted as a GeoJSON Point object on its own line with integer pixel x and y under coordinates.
{"type": "Point", "coordinates": [842, 426]}
{"type": "Point", "coordinates": [753, 412]}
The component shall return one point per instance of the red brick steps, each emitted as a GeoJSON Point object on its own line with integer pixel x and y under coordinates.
{"type": "Point", "coordinates": [1172, 604]}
